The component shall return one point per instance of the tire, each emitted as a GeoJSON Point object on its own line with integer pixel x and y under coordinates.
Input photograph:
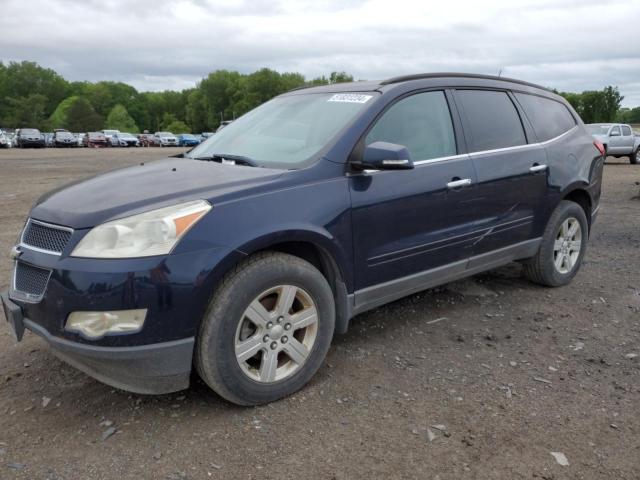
{"type": "Point", "coordinates": [543, 267]}
{"type": "Point", "coordinates": [245, 380]}
{"type": "Point", "coordinates": [633, 158]}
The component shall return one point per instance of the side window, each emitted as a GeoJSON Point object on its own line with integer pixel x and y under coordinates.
{"type": "Point", "coordinates": [615, 131]}
{"type": "Point", "coordinates": [421, 122]}
{"type": "Point", "coordinates": [626, 131]}
{"type": "Point", "coordinates": [548, 117]}
{"type": "Point", "coordinates": [492, 118]}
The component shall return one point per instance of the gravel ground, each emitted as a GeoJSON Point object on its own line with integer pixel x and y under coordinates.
{"type": "Point", "coordinates": [478, 379]}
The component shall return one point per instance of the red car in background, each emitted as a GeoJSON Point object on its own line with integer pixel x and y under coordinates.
{"type": "Point", "coordinates": [95, 139]}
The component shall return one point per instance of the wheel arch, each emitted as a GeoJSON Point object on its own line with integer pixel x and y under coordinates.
{"type": "Point", "coordinates": [580, 195]}
{"type": "Point", "coordinates": [323, 253]}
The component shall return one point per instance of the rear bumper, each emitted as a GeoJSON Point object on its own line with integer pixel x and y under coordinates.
{"type": "Point", "coordinates": [146, 369]}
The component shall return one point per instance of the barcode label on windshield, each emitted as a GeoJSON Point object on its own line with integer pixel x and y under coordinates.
{"type": "Point", "coordinates": [350, 98]}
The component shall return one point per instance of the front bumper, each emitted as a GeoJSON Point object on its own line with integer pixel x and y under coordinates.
{"type": "Point", "coordinates": [147, 369]}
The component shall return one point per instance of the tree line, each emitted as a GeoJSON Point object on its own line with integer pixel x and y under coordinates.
{"type": "Point", "coordinates": [38, 97]}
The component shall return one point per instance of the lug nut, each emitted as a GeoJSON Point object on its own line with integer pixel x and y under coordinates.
{"type": "Point", "coordinates": [274, 345]}
{"type": "Point", "coordinates": [265, 338]}
{"type": "Point", "coordinates": [284, 339]}
{"type": "Point", "coordinates": [280, 319]}
{"type": "Point", "coordinates": [287, 326]}
{"type": "Point", "coordinates": [269, 324]}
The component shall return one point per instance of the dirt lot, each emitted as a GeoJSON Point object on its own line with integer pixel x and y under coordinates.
{"type": "Point", "coordinates": [508, 373]}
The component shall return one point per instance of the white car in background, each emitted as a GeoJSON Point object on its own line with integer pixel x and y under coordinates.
{"type": "Point", "coordinates": [166, 139]}
{"type": "Point", "coordinates": [109, 134]}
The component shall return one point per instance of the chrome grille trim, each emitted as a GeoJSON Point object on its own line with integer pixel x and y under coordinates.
{"type": "Point", "coordinates": [24, 243]}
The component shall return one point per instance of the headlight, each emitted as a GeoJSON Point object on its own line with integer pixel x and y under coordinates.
{"type": "Point", "coordinates": [144, 235]}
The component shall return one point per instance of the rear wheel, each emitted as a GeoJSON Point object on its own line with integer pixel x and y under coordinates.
{"type": "Point", "coordinates": [267, 330]}
{"type": "Point", "coordinates": [562, 247]}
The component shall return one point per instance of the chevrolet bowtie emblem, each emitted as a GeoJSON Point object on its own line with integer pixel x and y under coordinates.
{"type": "Point", "coordinates": [15, 252]}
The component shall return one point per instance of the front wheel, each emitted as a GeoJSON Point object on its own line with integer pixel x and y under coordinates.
{"type": "Point", "coordinates": [562, 247]}
{"type": "Point", "coordinates": [267, 330]}
{"type": "Point", "coordinates": [633, 158]}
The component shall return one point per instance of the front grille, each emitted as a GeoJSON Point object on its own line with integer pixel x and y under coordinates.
{"type": "Point", "coordinates": [46, 237]}
{"type": "Point", "coordinates": [31, 281]}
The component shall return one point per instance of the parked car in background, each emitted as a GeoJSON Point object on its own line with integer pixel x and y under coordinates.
{"type": "Point", "coordinates": [223, 124]}
{"type": "Point", "coordinates": [4, 141]}
{"type": "Point", "coordinates": [109, 135]}
{"type": "Point", "coordinates": [166, 139]}
{"type": "Point", "coordinates": [205, 135]}
{"type": "Point", "coordinates": [95, 139]}
{"type": "Point", "coordinates": [187, 140]}
{"type": "Point", "coordinates": [62, 138]}
{"type": "Point", "coordinates": [244, 257]}
{"type": "Point", "coordinates": [80, 138]}
{"type": "Point", "coordinates": [148, 140]}
{"type": "Point", "coordinates": [30, 138]}
{"type": "Point", "coordinates": [48, 139]}
{"type": "Point", "coordinates": [619, 139]}
{"type": "Point", "coordinates": [11, 139]}
{"type": "Point", "coordinates": [123, 139]}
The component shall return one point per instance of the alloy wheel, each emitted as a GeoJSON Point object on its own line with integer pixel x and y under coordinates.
{"type": "Point", "coordinates": [276, 334]}
{"type": "Point", "coordinates": [566, 248]}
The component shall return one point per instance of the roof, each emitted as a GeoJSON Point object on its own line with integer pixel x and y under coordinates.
{"type": "Point", "coordinates": [361, 86]}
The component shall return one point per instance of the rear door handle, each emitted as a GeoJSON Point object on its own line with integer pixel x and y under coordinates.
{"type": "Point", "coordinates": [538, 168]}
{"type": "Point", "coordinates": [464, 182]}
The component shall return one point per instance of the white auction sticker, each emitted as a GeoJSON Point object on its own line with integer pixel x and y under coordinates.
{"type": "Point", "coordinates": [350, 98]}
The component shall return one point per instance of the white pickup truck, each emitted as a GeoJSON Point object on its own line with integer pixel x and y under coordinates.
{"type": "Point", "coordinates": [618, 139]}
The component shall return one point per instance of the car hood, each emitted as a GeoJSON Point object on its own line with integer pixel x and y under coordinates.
{"type": "Point", "coordinates": [132, 190]}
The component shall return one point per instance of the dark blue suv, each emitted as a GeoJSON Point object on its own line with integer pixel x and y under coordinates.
{"type": "Point", "coordinates": [246, 255]}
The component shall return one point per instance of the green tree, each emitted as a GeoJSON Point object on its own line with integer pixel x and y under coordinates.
{"type": "Point", "coordinates": [25, 79]}
{"type": "Point", "coordinates": [81, 117]}
{"type": "Point", "coordinates": [177, 126]}
{"type": "Point", "coordinates": [595, 106]}
{"type": "Point", "coordinates": [119, 119]}
{"type": "Point", "coordinates": [58, 118]}
{"type": "Point", "coordinates": [27, 111]}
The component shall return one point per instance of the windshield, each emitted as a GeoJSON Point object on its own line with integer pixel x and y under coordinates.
{"type": "Point", "coordinates": [164, 134]}
{"type": "Point", "coordinates": [188, 135]}
{"type": "Point", "coordinates": [110, 132]}
{"type": "Point", "coordinates": [29, 131]}
{"type": "Point", "coordinates": [64, 135]}
{"type": "Point", "coordinates": [286, 131]}
{"type": "Point", "coordinates": [126, 135]}
{"type": "Point", "coordinates": [598, 129]}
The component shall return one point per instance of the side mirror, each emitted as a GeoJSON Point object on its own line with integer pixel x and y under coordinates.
{"type": "Point", "coordinates": [386, 156]}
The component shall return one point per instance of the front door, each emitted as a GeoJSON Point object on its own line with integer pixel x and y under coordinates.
{"type": "Point", "coordinates": [408, 222]}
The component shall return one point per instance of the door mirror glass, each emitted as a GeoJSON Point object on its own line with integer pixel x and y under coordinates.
{"type": "Point", "coordinates": [386, 156]}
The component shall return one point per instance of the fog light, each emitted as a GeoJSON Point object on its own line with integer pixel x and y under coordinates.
{"type": "Point", "coordinates": [95, 325]}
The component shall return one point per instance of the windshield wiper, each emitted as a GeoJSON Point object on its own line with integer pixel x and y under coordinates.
{"type": "Point", "coordinates": [228, 158]}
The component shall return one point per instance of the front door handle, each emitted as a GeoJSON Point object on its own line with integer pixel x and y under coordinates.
{"type": "Point", "coordinates": [458, 183]}
{"type": "Point", "coordinates": [538, 168]}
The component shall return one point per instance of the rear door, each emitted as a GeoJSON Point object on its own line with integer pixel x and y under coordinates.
{"type": "Point", "coordinates": [511, 169]}
{"type": "Point", "coordinates": [409, 221]}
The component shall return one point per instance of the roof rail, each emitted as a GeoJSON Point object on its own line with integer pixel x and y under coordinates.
{"type": "Point", "coordinates": [419, 76]}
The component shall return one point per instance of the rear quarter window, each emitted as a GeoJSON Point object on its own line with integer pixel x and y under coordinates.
{"type": "Point", "coordinates": [492, 120]}
{"type": "Point", "coordinates": [548, 117]}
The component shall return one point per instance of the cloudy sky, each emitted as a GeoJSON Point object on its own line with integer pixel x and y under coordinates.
{"type": "Point", "coordinates": [571, 45]}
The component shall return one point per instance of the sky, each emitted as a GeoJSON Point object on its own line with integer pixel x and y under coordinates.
{"type": "Point", "coordinates": [570, 45]}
